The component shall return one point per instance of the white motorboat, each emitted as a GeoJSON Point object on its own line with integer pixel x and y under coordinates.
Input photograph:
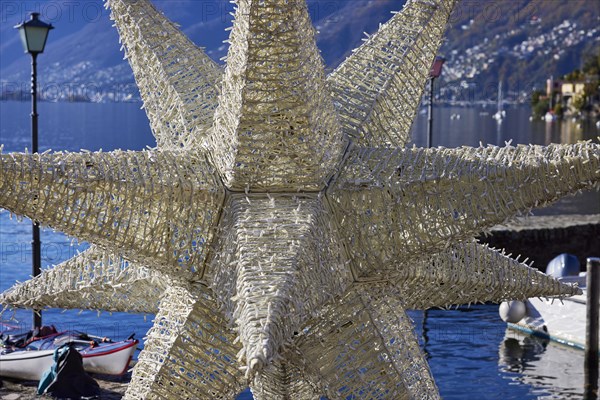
{"type": "Point", "coordinates": [562, 321]}
{"type": "Point", "coordinates": [35, 356]}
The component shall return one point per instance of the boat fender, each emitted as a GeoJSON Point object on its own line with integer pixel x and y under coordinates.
{"type": "Point", "coordinates": [512, 311]}
{"type": "Point", "coordinates": [563, 265]}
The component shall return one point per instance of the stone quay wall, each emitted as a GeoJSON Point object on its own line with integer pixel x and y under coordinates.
{"type": "Point", "coordinates": [542, 238]}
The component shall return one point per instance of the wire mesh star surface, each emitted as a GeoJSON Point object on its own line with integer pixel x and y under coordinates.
{"type": "Point", "coordinates": [281, 228]}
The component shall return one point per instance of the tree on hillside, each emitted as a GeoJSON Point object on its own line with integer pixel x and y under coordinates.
{"type": "Point", "coordinates": [579, 102]}
{"type": "Point", "coordinates": [574, 76]}
{"type": "Point", "coordinates": [591, 63]}
{"type": "Point", "coordinates": [535, 97]}
{"type": "Point", "coordinates": [559, 110]}
{"type": "Point", "coordinates": [540, 108]}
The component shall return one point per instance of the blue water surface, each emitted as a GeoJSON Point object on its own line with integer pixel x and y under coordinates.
{"type": "Point", "coordinates": [69, 127]}
{"type": "Point", "coordinates": [470, 352]}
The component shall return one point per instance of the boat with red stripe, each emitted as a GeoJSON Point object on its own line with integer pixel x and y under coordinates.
{"type": "Point", "coordinates": [27, 355]}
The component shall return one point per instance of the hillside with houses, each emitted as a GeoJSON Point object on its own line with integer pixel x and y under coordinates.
{"type": "Point", "coordinates": [519, 42]}
{"type": "Point", "coordinates": [574, 94]}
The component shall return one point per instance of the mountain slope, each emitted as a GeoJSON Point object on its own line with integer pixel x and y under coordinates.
{"type": "Point", "coordinates": [521, 42]}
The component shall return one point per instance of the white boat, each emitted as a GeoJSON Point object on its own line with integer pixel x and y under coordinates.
{"type": "Point", "coordinates": [500, 114]}
{"type": "Point", "coordinates": [99, 356]}
{"type": "Point", "coordinates": [549, 117]}
{"type": "Point", "coordinates": [563, 321]}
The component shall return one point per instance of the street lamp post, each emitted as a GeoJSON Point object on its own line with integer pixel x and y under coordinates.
{"type": "Point", "coordinates": [435, 72]}
{"type": "Point", "coordinates": [33, 35]}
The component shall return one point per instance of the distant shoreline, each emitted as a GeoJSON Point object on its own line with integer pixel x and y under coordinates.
{"type": "Point", "coordinates": [26, 97]}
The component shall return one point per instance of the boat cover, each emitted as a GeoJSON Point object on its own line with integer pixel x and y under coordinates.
{"type": "Point", "coordinates": [66, 377]}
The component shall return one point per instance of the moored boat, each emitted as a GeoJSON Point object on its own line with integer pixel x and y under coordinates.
{"type": "Point", "coordinates": [30, 358]}
{"type": "Point", "coordinates": [560, 320]}
{"type": "Point", "coordinates": [549, 116]}
{"type": "Point", "coordinates": [500, 114]}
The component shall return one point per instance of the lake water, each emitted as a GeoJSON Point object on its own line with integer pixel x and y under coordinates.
{"type": "Point", "coordinates": [471, 354]}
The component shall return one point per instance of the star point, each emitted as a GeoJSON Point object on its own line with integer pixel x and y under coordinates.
{"type": "Point", "coordinates": [280, 229]}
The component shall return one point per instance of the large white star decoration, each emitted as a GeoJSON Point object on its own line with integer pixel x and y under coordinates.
{"type": "Point", "coordinates": [281, 228]}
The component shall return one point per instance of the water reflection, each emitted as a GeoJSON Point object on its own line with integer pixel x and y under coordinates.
{"type": "Point", "coordinates": [474, 127]}
{"type": "Point", "coordinates": [461, 344]}
{"type": "Point", "coordinates": [553, 371]}
{"type": "Point", "coordinates": [567, 130]}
